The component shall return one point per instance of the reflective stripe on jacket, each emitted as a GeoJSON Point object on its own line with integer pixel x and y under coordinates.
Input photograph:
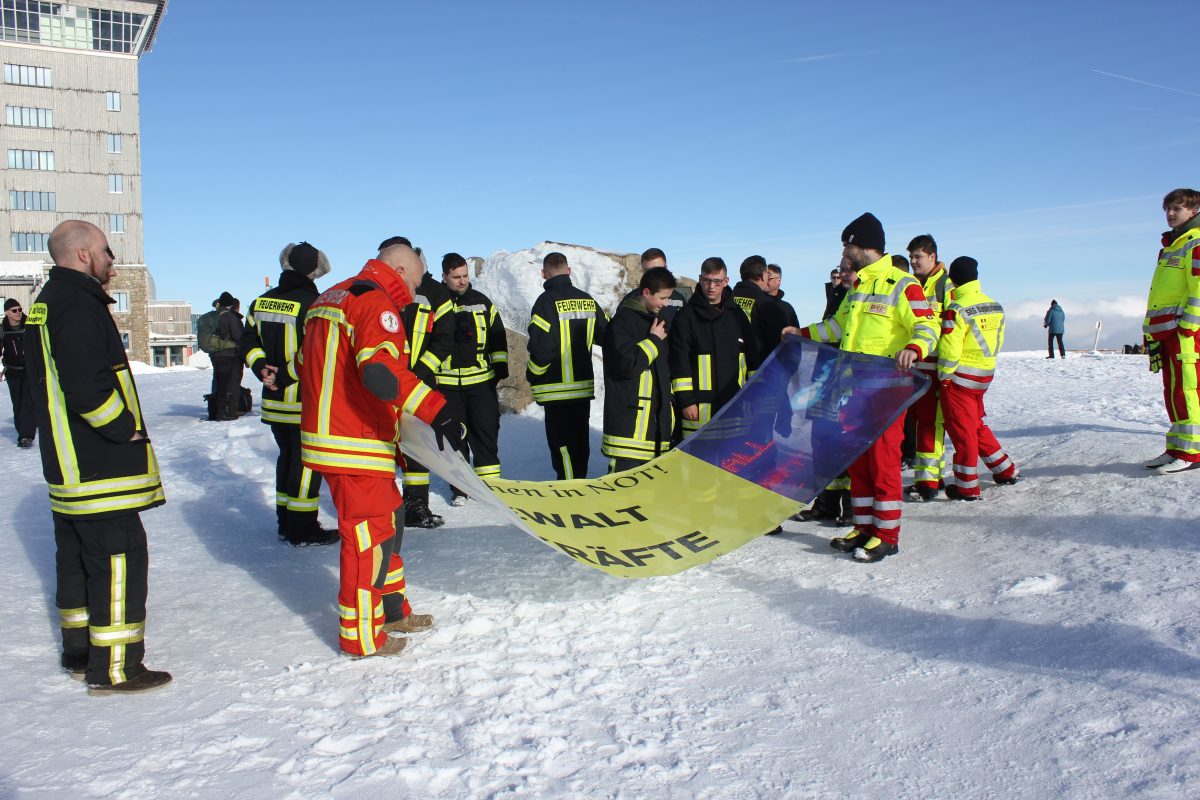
{"type": "Point", "coordinates": [87, 404]}
{"type": "Point", "coordinates": [353, 350]}
{"type": "Point", "coordinates": [885, 312]}
{"type": "Point", "coordinates": [708, 355]}
{"type": "Point", "coordinates": [1174, 301]}
{"type": "Point", "coordinates": [273, 334]}
{"type": "Point", "coordinates": [479, 342]}
{"type": "Point", "coordinates": [564, 325]}
{"type": "Point", "coordinates": [935, 287]}
{"type": "Point", "coordinates": [429, 325]}
{"type": "Point", "coordinates": [972, 335]}
{"type": "Point", "coordinates": [638, 415]}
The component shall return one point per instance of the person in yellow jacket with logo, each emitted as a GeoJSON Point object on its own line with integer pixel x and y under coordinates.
{"type": "Point", "coordinates": [926, 412]}
{"type": "Point", "coordinates": [1171, 326]}
{"type": "Point", "coordinates": [885, 313]}
{"type": "Point", "coordinates": [972, 334]}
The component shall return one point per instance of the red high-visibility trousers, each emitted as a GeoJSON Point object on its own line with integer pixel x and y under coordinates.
{"type": "Point", "coordinates": [963, 412]}
{"type": "Point", "coordinates": [371, 566]}
{"type": "Point", "coordinates": [1181, 379]}
{"type": "Point", "coordinates": [876, 488]}
{"type": "Point", "coordinates": [927, 460]}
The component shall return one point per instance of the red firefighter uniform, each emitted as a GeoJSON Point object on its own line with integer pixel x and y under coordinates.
{"type": "Point", "coordinates": [972, 334]}
{"type": "Point", "coordinates": [884, 313]}
{"type": "Point", "coordinates": [1173, 321]}
{"type": "Point", "coordinates": [355, 383]}
{"type": "Point", "coordinates": [927, 411]}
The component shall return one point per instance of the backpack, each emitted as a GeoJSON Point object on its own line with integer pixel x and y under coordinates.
{"type": "Point", "coordinates": [206, 332]}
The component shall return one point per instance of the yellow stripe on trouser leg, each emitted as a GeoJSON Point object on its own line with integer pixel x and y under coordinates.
{"type": "Point", "coordinates": [116, 657]}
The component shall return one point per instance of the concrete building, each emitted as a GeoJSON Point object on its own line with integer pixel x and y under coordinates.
{"type": "Point", "coordinates": [72, 136]}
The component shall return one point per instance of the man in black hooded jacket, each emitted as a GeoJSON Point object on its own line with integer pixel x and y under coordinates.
{"type": "Point", "coordinates": [14, 372]}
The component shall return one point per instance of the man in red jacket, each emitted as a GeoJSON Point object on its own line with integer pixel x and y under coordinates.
{"type": "Point", "coordinates": [355, 383]}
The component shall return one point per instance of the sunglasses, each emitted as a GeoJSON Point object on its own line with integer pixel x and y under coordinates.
{"type": "Point", "coordinates": [110, 253]}
{"type": "Point", "coordinates": [14, 310]}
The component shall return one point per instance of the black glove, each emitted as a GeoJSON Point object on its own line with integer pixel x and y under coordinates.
{"type": "Point", "coordinates": [449, 430]}
{"type": "Point", "coordinates": [1154, 350]}
{"type": "Point", "coordinates": [501, 370]}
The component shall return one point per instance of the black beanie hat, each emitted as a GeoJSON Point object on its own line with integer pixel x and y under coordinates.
{"type": "Point", "coordinates": [11, 302]}
{"type": "Point", "coordinates": [964, 269]}
{"type": "Point", "coordinates": [225, 300]}
{"type": "Point", "coordinates": [866, 231]}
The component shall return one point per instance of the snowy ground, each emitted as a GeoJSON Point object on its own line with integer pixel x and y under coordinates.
{"type": "Point", "coordinates": [1041, 643]}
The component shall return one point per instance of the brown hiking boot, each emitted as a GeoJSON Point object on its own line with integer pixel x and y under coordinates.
{"type": "Point", "coordinates": [150, 679]}
{"type": "Point", "coordinates": [413, 623]}
{"type": "Point", "coordinates": [392, 646]}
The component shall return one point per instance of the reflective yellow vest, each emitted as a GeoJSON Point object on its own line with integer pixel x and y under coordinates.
{"type": "Point", "coordinates": [1174, 302]}
{"type": "Point", "coordinates": [883, 313]}
{"type": "Point", "coordinates": [972, 335]}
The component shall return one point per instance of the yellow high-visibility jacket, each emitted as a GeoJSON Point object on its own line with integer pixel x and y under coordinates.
{"type": "Point", "coordinates": [885, 312]}
{"type": "Point", "coordinates": [1174, 302]}
{"type": "Point", "coordinates": [972, 335]}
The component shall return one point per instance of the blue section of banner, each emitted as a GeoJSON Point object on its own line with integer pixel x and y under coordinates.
{"type": "Point", "coordinates": [808, 413]}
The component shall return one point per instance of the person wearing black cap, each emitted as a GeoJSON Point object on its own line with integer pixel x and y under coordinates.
{"type": "Point", "coordinates": [884, 314]}
{"type": "Point", "coordinates": [269, 346]}
{"type": "Point", "coordinates": [966, 365]}
{"type": "Point", "coordinates": [227, 367]}
{"type": "Point", "coordinates": [13, 332]}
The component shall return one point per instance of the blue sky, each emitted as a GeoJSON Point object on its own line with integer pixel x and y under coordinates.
{"type": "Point", "coordinates": [1037, 137]}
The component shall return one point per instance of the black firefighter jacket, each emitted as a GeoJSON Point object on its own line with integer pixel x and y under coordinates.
{"type": "Point", "coordinates": [273, 334]}
{"type": "Point", "coordinates": [87, 405]}
{"type": "Point", "coordinates": [480, 349]}
{"type": "Point", "coordinates": [638, 415]}
{"type": "Point", "coordinates": [708, 355]}
{"type": "Point", "coordinates": [767, 321]}
{"type": "Point", "coordinates": [563, 326]}
{"type": "Point", "coordinates": [429, 326]}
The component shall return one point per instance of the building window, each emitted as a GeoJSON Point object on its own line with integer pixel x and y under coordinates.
{"type": "Point", "coordinates": [124, 334]}
{"type": "Point", "coordinates": [31, 159]}
{"type": "Point", "coordinates": [112, 101]}
{"type": "Point", "coordinates": [115, 31]}
{"type": "Point", "coordinates": [29, 117]}
{"type": "Point", "coordinates": [122, 305]}
{"type": "Point", "coordinates": [30, 242]}
{"type": "Point", "coordinates": [26, 76]}
{"type": "Point", "coordinates": [114, 143]}
{"type": "Point", "coordinates": [32, 201]}
{"type": "Point", "coordinates": [116, 184]}
{"type": "Point", "coordinates": [116, 223]}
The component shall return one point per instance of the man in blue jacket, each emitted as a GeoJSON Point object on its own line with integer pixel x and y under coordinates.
{"type": "Point", "coordinates": [1055, 324]}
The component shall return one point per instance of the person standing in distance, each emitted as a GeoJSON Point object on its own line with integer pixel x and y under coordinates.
{"type": "Point", "coordinates": [563, 326]}
{"type": "Point", "coordinates": [98, 462]}
{"type": "Point", "coordinates": [19, 390]}
{"type": "Point", "coordinates": [1055, 323]}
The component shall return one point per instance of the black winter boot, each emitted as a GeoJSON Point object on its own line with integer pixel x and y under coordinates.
{"type": "Point", "coordinates": [418, 515]}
